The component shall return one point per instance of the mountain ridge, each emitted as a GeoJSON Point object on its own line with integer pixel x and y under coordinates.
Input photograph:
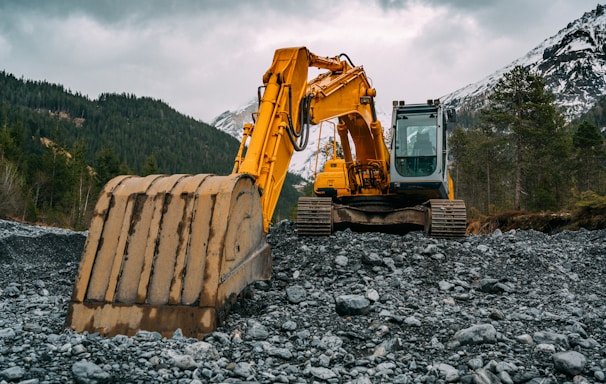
{"type": "Point", "coordinates": [572, 63]}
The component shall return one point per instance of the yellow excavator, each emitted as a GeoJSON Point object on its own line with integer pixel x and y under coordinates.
{"type": "Point", "coordinates": [175, 251]}
{"type": "Point", "coordinates": [407, 187]}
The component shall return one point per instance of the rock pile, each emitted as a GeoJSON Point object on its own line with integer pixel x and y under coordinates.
{"type": "Point", "coordinates": [515, 307]}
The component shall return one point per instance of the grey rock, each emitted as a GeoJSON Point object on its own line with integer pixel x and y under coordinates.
{"type": "Point", "coordinates": [87, 372]}
{"type": "Point", "coordinates": [202, 350]}
{"type": "Point", "coordinates": [545, 348]}
{"type": "Point", "coordinates": [545, 337]}
{"type": "Point", "coordinates": [505, 377]}
{"type": "Point", "coordinates": [11, 291]}
{"type": "Point", "coordinates": [494, 286]}
{"type": "Point", "coordinates": [578, 328]}
{"type": "Point", "coordinates": [296, 294]}
{"type": "Point", "coordinates": [448, 372]}
{"type": "Point", "coordinates": [78, 349]}
{"type": "Point", "coordinates": [574, 339]}
{"type": "Point", "coordinates": [330, 342]}
{"type": "Point", "coordinates": [30, 381]}
{"type": "Point", "coordinates": [243, 369]}
{"type": "Point", "coordinates": [147, 336]}
{"type": "Point", "coordinates": [475, 363]}
{"type": "Point", "coordinates": [12, 373]}
{"type": "Point", "coordinates": [372, 258]}
{"type": "Point", "coordinates": [412, 321]}
{"type": "Point", "coordinates": [482, 248]}
{"type": "Point", "coordinates": [541, 380]}
{"type": "Point", "coordinates": [324, 360]}
{"type": "Point", "coordinates": [289, 325]}
{"type": "Point", "coordinates": [496, 314]}
{"type": "Point", "coordinates": [282, 353]}
{"type": "Point", "coordinates": [445, 285]}
{"type": "Point", "coordinates": [322, 373]}
{"type": "Point", "coordinates": [221, 337]}
{"type": "Point", "coordinates": [257, 330]}
{"type": "Point", "coordinates": [341, 261]}
{"type": "Point", "coordinates": [372, 295]}
{"type": "Point", "coordinates": [524, 339]}
{"type": "Point", "coordinates": [578, 379]}
{"type": "Point", "coordinates": [178, 334]}
{"type": "Point", "coordinates": [569, 362]}
{"type": "Point", "coordinates": [484, 376]}
{"type": "Point", "coordinates": [352, 305]}
{"type": "Point", "coordinates": [526, 376]}
{"type": "Point", "coordinates": [388, 346]}
{"type": "Point", "coordinates": [184, 362]}
{"type": "Point", "coordinates": [7, 333]}
{"type": "Point", "coordinates": [431, 249]}
{"type": "Point", "coordinates": [385, 368]}
{"type": "Point", "coordinates": [362, 380]}
{"type": "Point", "coordinates": [477, 334]}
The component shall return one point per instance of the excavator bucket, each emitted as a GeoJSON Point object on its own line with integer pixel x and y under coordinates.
{"type": "Point", "coordinates": [168, 252]}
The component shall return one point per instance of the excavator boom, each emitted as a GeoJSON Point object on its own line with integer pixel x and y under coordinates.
{"type": "Point", "coordinates": [291, 103]}
{"type": "Point", "coordinates": [168, 252]}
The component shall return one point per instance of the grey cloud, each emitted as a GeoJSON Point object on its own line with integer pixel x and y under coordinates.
{"type": "Point", "coordinates": [148, 11]}
{"type": "Point", "coordinates": [512, 17]}
{"type": "Point", "coordinates": [183, 50]}
{"type": "Point", "coordinates": [110, 11]}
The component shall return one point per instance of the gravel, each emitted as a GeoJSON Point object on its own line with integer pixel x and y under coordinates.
{"type": "Point", "coordinates": [515, 307]}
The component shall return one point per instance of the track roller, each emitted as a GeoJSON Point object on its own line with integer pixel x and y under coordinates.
{"type": "Point", "coordinates": [314, 216]}
{"type": "Point", "coordinates": [448, 218]}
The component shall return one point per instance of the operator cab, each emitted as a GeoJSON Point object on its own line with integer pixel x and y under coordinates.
{"type": "Point", "coordinates": [419, 153]}
{"type": "Point", "coordinates": [416, 137]}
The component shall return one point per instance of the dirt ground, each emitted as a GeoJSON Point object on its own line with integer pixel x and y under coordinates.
{"type": "Point", "coordinates": [543, 222]}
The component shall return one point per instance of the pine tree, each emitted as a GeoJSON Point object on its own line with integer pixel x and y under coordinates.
{"type": "Point", "coordinates": [481, 168]}
{"type": "Point", "coordinates": [12, 199]}
{"type": "Point", "coordinates": [150, 167]}
{"type": "Point", "coordinates": [522, 108]}
{"type": "Point", "coordinates": [8, 146]}
{"type": "Point", "coordinates": [590, 154]}
{"type": "Point", "coordinates": [83, 186]}
{"type": "Point", "coordinates": [107, 165]}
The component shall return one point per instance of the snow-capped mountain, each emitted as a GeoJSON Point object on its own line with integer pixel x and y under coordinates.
{"type": "Point", "coordinates": [303, 163]}
{"type": "Point", "coordinates": [572, 63]}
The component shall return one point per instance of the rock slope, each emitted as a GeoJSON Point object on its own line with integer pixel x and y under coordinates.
{"type": "Point", "coordinates": [572, 63]}
{"type": "Point", "coordinates": [515, 307]}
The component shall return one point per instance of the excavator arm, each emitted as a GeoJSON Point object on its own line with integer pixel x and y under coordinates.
{"type": "Point", "coordinates": [291, 104]}
{"type": "Point", "coordinates": [175, 251]}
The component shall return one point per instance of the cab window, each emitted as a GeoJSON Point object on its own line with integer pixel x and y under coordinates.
{"type": "Point", "coordinates": [415, 150]}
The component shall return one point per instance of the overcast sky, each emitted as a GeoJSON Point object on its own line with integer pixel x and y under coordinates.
{"type": "Point", "coordinates": [207, 56]}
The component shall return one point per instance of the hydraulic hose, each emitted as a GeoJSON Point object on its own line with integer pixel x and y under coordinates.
{"type": "Point", "coordinates": [299, 140]}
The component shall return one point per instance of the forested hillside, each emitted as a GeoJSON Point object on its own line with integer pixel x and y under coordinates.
{"type": "Point", "coordinates": [597, 114]}
{"type": "Point", "coordinates": [58, 148]}
{"type": "Point", "coordinates": [519, 153]}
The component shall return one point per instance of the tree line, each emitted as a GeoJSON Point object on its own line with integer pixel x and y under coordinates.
{"type": "Point", "coordinates": [518, 153]}
{"type": "Point", "coordinates": [58, 148]}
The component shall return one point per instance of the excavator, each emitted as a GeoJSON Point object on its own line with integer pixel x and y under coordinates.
{"type": "Point", "coordinates": [408, 187]}
{"type": "Point", "coordinates": [167, 252]}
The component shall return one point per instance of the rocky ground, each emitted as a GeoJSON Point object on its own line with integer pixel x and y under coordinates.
{"type": "Point", "coordinates": [514, 307]}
